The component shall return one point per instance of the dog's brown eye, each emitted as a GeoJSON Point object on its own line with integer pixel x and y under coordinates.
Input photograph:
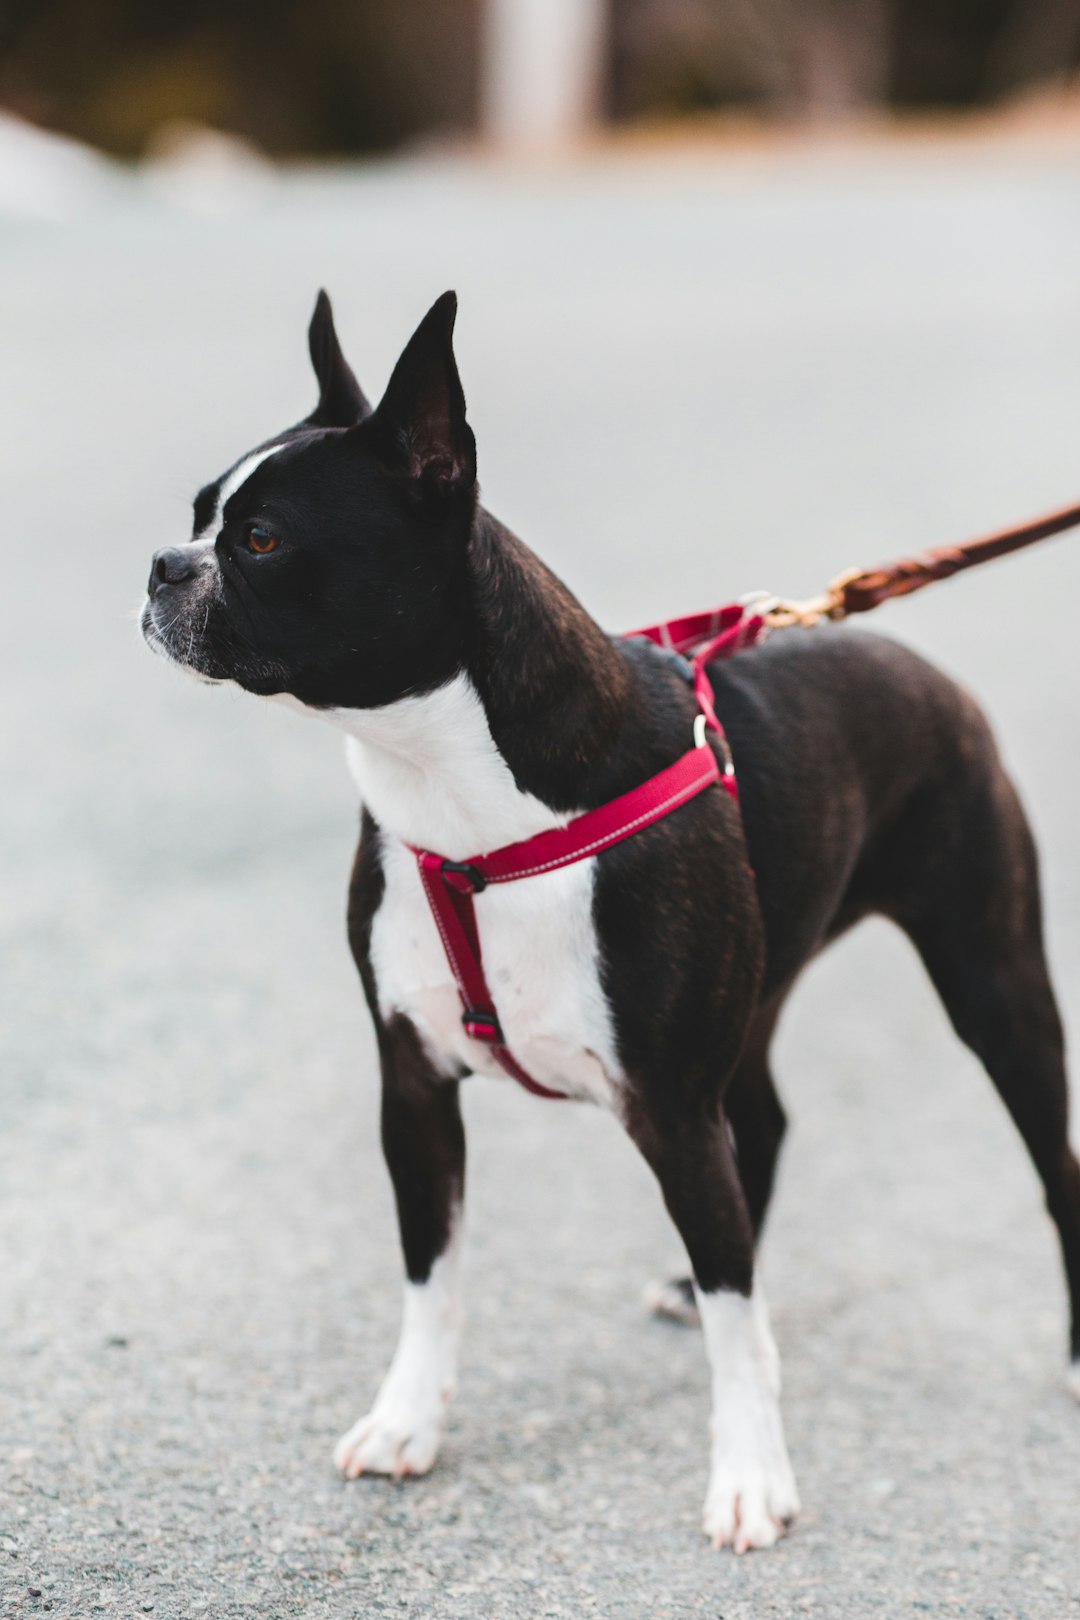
{"type": "Point", "coordinates": [261, 540]}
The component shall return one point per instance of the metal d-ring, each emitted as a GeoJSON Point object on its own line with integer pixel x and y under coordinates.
{"type": "Point", "coordinates": [700, 723]}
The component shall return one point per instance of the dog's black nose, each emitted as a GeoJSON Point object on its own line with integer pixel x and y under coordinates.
{"type": "Point", "coordinates": [171, 567]}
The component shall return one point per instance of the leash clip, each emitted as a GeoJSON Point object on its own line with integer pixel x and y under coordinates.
{"type": "Point", "coordinates": [760, 603]}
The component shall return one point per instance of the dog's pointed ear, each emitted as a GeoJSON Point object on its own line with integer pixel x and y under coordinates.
{"type": "Point", "coordinates": [342, 402]}
{"type": "Point", "coordinates": [420, 421]}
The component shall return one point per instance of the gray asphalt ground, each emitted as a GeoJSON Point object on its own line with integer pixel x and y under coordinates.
{"type": "Point", "coordinates": [689, 376]}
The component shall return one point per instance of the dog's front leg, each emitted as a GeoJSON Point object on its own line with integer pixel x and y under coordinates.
{"type": "Point", "coordinates": [752, 1496]}
{"type": "Point", "coordinates": [424, 1144]}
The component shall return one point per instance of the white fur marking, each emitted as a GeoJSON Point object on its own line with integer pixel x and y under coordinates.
{"type": "Point", "coordinates": [752, 1494]}
{"type": "Point", "coordinates": [429, 772]}
{"type": "Point", "coordinates": [168, 638]}
{"type": "Point", "coordinates": [229, 486]}
{"type": "Point", "coordinates": [402, 1432]}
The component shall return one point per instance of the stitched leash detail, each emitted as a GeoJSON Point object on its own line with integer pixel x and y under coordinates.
{"type": "Point", "coordinates": [858, 590]}
{"type": "Point", "coordinates": [450, 886]}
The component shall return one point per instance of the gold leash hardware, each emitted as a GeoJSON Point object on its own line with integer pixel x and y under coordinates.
{"type": "Point", "coordinates": [781, 614]}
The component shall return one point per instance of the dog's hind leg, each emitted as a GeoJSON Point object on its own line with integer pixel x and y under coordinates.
{"type": "Point", "coordinates": [424, 1145]}
{"type": "Point", "coordinates": [752, 1495]}
{"type": "Point", "coordinates": [758, 1123]}
{"type": "Point", "coordinates": [974, 914]}
{"type": "Point", "coordinates": [756, 1116]}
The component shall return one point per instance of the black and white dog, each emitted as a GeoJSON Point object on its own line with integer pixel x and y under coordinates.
{"type": "Point", "coordinates": [346, 567]}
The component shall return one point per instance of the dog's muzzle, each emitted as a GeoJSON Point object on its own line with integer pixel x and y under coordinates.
{"type": "Point", "coordinates": [184, 582]}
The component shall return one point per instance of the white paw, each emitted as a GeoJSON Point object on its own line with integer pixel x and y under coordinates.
{"type": "Point", "coordinates": [1072, 1380]}
{"type": "Point", "coordinates": [391, 1440]}
{"type": "Point", "coordinates": [752, 1497]}
{"type": "Point", "coordinates": [750, 1506]}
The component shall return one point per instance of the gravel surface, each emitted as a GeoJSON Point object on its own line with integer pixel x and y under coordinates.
{"type": "Point", "coordinates": [687, 379]}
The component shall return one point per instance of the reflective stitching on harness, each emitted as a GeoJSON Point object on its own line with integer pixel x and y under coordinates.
{"type": "Point", "coordinates": [617, 836]}
{"type": "Point", "coordinates": [443, 935]}
{"type": "Point", "coordinates": [716, 635]}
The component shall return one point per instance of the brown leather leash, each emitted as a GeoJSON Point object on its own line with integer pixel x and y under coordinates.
{"type": "Point", "coordinates": [860, 589]}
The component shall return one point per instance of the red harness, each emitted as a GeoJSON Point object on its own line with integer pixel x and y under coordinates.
{"type": "Point", "coordinates": [451, 885]}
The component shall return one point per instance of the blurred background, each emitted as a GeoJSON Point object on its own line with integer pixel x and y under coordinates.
{"type": "Point", "coordinates": [750, 291]}
{"type": "Point", "coordinates": [333, 78]}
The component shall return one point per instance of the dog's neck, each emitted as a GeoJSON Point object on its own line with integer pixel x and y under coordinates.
{"type": "Point", "coordinates": [503, 748]}
{"type": "Point", "coordinates": [429, 772]}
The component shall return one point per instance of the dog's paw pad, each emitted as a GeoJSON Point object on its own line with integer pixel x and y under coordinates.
{"type": "Point", "coordinates": [397, 1444]}
{"type": "Point", "coordinates": [750, 1513]}
{"type": "Point", "coordinates": [673, 1301]}
{"type": "Point", "coordinates": [1072, 1379]}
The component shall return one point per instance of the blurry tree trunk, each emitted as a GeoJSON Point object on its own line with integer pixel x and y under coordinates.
{"type": "Point", "coordinates": [842, 56]}
{"type": "Point", "coordinates": [543, 68]}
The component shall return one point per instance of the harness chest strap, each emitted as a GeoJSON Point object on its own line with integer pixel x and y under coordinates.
{"type": "Point", "coordinates": [450, 886]}
{"type": "Point", "coordinates": [719, 633]}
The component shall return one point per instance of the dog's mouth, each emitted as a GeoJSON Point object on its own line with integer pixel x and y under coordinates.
{"type": "Point", "coordinates": [191, 635]}
{"type": "Point", "coordinates": [173, 636]}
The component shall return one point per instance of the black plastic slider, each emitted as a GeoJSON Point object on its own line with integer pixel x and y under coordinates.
{"type": "Point", "coordinates": [472, 875]}
{"type": "Point", "coordinates": [482, 1026]}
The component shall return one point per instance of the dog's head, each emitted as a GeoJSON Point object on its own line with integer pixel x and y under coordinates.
{"type": "Point", "coordinates": [329, 563]}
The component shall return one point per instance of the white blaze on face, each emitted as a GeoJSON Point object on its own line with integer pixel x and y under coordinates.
{"type": "Point", "coordinates": [232, 481]}
{"type": "Point", "coordinates": [173, 626]}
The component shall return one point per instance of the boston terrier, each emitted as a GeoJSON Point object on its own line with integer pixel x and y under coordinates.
{"type": "Point", "coordinates": [345, 567]}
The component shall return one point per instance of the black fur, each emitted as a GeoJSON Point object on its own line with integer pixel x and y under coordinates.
{"type": "Point", "coordinates": [869, 783]}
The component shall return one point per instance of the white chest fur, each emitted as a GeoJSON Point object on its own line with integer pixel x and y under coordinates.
{"type": "Point", "coordinates": [429, 772]}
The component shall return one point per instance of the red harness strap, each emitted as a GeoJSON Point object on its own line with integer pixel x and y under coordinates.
{"type": "Point", "coordinates": [451, 885]}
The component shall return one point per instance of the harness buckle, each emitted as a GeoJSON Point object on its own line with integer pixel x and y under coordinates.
{"type": "Point", "coordinates": [482, 1026]}
{"type": "Point", "coordinates": [464, 869]}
